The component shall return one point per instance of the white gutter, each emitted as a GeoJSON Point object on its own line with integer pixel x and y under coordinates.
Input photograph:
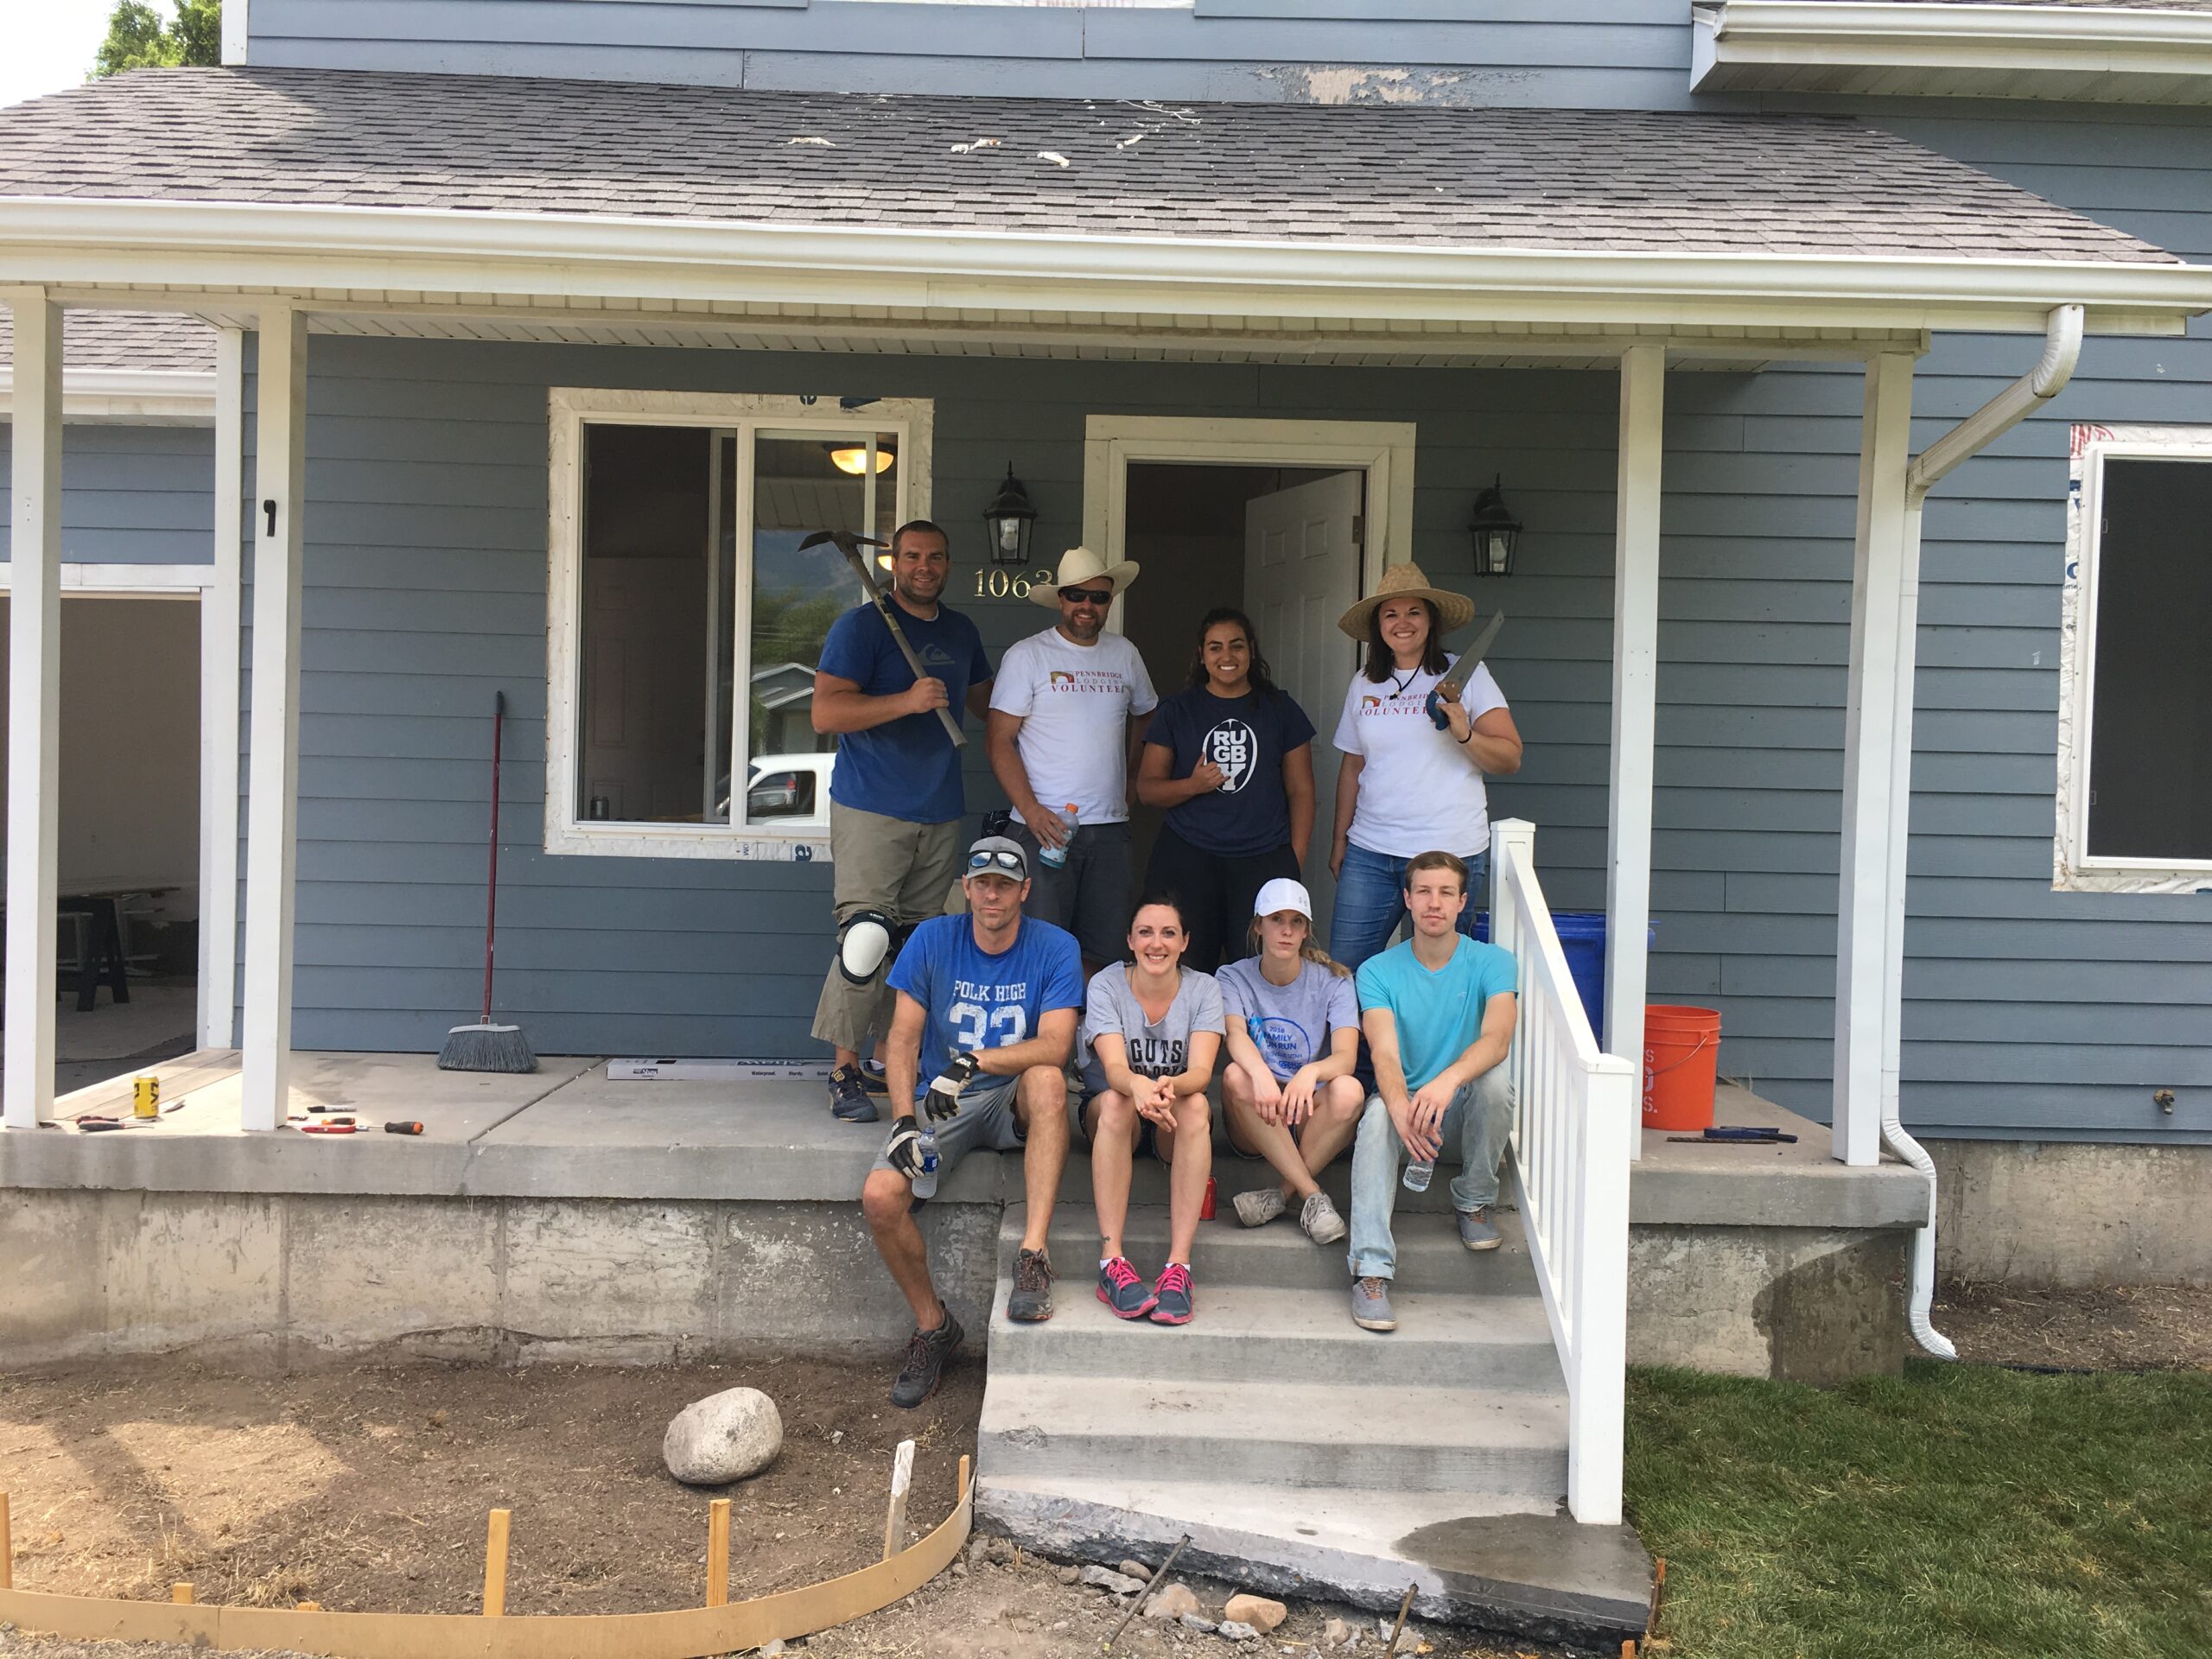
{"type": "Point", "coordinates": [2062, 351]}
{"type": "Point", "coordinates": [228, 247]}
{"type": "Point", "coordinates": [134, 397]}
{"type": "Point", "coordinates": [1843, 35]}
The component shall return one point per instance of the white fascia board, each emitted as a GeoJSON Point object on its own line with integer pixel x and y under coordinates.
{"type": "Point", "coordinates": [2018, 40]}
{"type": "Point", "coordinates": [127, 397]}
{"type": "Point", "coordinates": [335, 254]}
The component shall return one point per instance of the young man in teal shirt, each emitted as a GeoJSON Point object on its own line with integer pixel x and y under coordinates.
{"type": "Point", "coordinates": [1437, 1011]}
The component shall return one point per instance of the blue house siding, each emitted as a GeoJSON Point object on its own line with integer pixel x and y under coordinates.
{"type": "Point", "coordinates": [132, 495]}
{"type": "Point", "coordinates": [1580, 54]}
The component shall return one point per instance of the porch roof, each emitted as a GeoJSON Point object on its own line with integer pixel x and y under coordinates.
{"type": "Point", "coordinates": [386, 190]}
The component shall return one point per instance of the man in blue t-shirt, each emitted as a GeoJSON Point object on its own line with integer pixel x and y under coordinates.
{"type": "Point", "coordinates": [894, 795]}
{"type": "Point", "coordinates": [986, 1016]}
{"type": "Point", "coordinates": [1439, 1012]}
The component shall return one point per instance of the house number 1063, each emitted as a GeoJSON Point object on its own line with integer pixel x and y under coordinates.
{"type": "Point", "coordinates": [1010, 584]}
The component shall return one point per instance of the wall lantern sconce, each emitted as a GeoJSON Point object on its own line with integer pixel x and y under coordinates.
{"type": "Point", "coordinates": [1009, 519]}
{"type": "Point", "coordinates": [1495, 532]}
{"type": "Point", "coordinates": [851, 458]}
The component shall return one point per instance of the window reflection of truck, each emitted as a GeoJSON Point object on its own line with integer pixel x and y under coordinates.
{"type": "Point", "coordinates": [790, 791]}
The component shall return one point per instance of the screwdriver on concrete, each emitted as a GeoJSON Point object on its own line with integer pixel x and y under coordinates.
{"type": "Point", "coordinates": [403, 1129]}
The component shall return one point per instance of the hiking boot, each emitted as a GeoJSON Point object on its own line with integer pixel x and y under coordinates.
{"type": "Point", "coordinates": [1260, 1206]}
{"type": "Point", "coordinates": [1031, 1299]}
{"type": "Point", "coordinates": [849, 1098]}
{"type": "Point", "coordinates": [1370, 1305]}
{"type": "Point", "coordinates": [1319, 1221]}
{"type": "Point", "coordinates": [1122, 1288]}
{"type": "Point", "coordinates": [1477, 1230]}
{"type": "Point", "coordinates": [874, 1079]}
{"type": "Point", "coordinates": [1172, 1299]}
{"type": "Point", "coordinates": [924, 1366]}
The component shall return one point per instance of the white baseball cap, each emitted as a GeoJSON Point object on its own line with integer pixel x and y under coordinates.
{"type": "Point", "coordinates": [1283, 893]}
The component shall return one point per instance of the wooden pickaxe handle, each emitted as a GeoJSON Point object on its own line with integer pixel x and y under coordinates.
{"type": "Point", "coordinates": [851, 547]}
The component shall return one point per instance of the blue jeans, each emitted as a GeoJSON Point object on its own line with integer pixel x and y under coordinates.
{"type": "Point", "coordinates": [1476, 1125]}
{"type": "Point", "coordinates": [1371, 902]}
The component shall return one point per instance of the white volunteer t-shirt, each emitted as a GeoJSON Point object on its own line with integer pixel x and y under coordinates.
{"type": "Point", "coordinates": [1074, 703]}
{"type": "Point", "coordinates": [1419, 789]}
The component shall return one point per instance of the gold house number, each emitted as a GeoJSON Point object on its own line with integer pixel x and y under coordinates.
{"type": "Point", "coordinates": [1010, 584]}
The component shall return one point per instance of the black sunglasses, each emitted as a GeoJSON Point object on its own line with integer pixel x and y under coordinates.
{"type": "Point", "coordinates": [1087, 596]}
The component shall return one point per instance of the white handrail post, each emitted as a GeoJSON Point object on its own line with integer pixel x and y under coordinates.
{"type": "Point", "coordinates": [1597, 1387]}
{"type": "Point", "coordinates": [1518, 836]}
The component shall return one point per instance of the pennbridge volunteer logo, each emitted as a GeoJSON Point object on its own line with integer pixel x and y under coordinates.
{"type": "Point", "coordinates": [1078, 681]}
{"type": "Point", "coordinates": [1233, 746]}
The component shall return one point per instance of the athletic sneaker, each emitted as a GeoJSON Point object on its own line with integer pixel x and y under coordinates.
{"type": "Point", "coordinates": [1260, 1206]}
{"type": "Point", "coordinates": [1031, 1299]}
{"type": "Point", "coordinates": [1370, 1305]}
{"type": "Point", "coordinates": [1122, 1288]}
{"type": "Point", "coordinates": [1477, 1230]}
{"type": "Point", "coordinates": [1319, 1220]}
{"type": "Point", "coordinates": [874, 1079]}
{"type": "Point", "coordinates": [924, 1366]}
{"type": "Point", "coordinates": [1172, 1297]}
{"type": "Point", "coordinates": [848, 1099]}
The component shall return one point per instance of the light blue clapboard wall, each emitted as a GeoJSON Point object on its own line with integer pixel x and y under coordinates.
{"type": "Point", "coordinates": [1581, 53]}
{"type": "Point", "coordinates": [132, 495]}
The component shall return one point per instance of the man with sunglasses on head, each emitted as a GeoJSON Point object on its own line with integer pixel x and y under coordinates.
{"type": "Point", "coordinates": [895, 799]}
{"type": "Point", "coordinates": [1066, 723]}
{"type": "Point", "coordinates": [986, 1014]}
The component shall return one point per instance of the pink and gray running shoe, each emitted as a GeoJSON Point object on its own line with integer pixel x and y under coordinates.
{"type": "Point", "coordinates": [1172, 1296]}
{"type": "Point", "coordinates": [1122, 1288]}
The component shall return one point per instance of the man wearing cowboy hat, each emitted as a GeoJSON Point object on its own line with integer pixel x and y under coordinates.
{"type": "Point", "coordinates": [1063, 731]}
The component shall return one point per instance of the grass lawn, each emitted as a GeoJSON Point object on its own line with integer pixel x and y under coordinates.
{"type": "Point", "coordinates": [1955, 1511]}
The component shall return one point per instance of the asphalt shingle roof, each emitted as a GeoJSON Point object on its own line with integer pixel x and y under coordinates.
{"type": "Point", "coordinates": [1534, 179]}
{"type": "Point", "coordinates": [127, 339]}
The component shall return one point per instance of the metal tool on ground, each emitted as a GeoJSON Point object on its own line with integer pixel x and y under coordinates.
{"type": "Point", "coordinates": [484, 1046]}
{"type": "Point", "coordinates": [326, 1128]}
{"type": "Point", "coordinates": [1136, 1605]}
{"type": "Point", "coordinates": [1748, 1135]}
{"type": "Point", "coordinates": [97, 1125]}
{"type": "Point", "coordinates": [403, 1129]}
{"type": "Point", "coordinates": [850, 544]}
{"type": "Point", "coordinates": [1461, 670]}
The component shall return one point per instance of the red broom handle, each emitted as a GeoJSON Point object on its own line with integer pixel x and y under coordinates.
{"type": "Point", "coordinates": [491, 885]}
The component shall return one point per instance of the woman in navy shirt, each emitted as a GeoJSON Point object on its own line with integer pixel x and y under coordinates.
{"type": "Point", "coordinates": [1231, 757]}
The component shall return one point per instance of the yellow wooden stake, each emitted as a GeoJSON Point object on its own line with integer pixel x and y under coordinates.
{"type": "Point", "coordinates": [181, 1594]}
{"type": "Point", "coordinates": [718, 1552]}
{"type": "Point", "coordinates": [7, 1548]}
{"type": "Point", "coordinates": [495, 1566]}
{"type": "Point", "coordinates": [902, 1478]}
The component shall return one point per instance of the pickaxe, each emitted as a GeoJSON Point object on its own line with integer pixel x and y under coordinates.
{"type": "Point", "coordinates": [850, 545]}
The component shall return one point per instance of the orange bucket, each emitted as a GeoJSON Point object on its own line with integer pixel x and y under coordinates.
{"type": "Point", "coordinates": [1681, 1065]}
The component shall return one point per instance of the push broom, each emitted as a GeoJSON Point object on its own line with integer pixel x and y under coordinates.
{"type": "Point", "coordinates": [484, 1046]}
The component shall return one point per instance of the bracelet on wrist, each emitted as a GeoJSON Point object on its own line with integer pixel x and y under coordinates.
{"type": "Point", "coordinates": [1470, 736]}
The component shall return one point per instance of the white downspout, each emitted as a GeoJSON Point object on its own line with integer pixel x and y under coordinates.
{"type": "Point", "coordinates": [2062, 351]}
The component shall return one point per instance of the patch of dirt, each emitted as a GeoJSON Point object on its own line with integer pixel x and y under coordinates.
{"type": "Point", "coordinates": [2122, 1328]}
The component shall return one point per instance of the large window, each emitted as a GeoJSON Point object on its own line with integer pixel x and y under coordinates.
{"type": "Point", "coordinates": [687, 621]}
{"type": "Point", "coordinates": [2136, 774]}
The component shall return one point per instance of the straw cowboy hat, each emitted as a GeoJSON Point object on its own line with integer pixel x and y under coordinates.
{"type": "Point", "coordinates": [1405, 581]}
{"type": "Point", "coordinates": [1078, 566]}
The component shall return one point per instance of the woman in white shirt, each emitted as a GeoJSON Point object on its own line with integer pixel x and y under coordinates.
{"type": "Point", "coordinates": [1406, 787]}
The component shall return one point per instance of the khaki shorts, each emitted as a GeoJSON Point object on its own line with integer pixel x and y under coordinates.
{"type": "Point", "coordinates": [886, 864]}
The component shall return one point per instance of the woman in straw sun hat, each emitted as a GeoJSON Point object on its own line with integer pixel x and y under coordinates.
{"type": "Point", "coordinates": [1405, 787]}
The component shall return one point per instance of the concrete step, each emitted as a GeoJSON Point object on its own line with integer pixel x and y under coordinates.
{"type": "Point", "coordinates": [1294, 1434]}
{"type": "Point", "coordinates": [1469, 1343]}
{"type": "Point", "coordinates": [1430, 1256]}
{"type": "Point", "coordinates": [1507, 1562]}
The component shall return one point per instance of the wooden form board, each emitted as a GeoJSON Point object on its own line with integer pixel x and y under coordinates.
{"type": "Point", "coordinates": [685, 1633]}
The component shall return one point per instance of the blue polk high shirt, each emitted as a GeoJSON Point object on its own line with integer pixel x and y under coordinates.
{"type": "Point", "coordinates": [974, 999]}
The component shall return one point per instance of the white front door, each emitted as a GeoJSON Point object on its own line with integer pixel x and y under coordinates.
{"type": "Point", "coordinates": [1301, 570]}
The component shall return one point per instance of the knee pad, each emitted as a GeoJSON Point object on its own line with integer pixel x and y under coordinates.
{"type": "Point", "coordinates": [864, 940]}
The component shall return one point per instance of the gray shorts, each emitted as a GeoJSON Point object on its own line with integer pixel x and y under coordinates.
{"type": "Point", "coordinates": [985, 1123]}
{"type": "Point", "coordinates": [1091, 894]}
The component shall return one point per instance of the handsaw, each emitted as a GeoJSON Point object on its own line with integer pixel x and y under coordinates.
{"type": "Point", "coordinates": [1462, 670]}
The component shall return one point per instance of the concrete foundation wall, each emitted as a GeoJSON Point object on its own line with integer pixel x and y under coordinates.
{"type": "Point", "coordinates": [289, 1279]}
{"type": "Point", "coordinates": [2039, 1215]}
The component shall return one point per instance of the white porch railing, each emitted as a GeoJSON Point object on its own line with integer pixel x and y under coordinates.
{"type": "Point", "coordinates": [1575, 1116]}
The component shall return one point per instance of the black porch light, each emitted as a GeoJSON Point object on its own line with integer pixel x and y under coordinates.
{"type": "Point", "coordinates": [1009, 519]}
{"type": "Point", "coordinates": [1495, 532]}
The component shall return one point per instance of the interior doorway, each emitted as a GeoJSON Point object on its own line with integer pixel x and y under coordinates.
{"type": "Point", "coordinates": [129, 865]}
{"type": "Point", "coordinates": [1282, 544]}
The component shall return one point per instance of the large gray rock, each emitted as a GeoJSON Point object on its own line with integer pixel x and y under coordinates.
{"type": "Point", "coordinates": [722, 1438]}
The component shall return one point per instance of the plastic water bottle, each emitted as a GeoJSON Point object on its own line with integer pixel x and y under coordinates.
{"type": "Point", "coordinates": [926, 1172]}
{"type": "Point", "coordinates": [1055, 857]}
{"type": "Point", "coordinates": [1415, 1180]}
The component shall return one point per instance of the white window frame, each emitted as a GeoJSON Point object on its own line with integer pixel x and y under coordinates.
{"type": "Point", "coordinates": [2073, 868]}
{"type": "Point", "coordinates": [744, 414]}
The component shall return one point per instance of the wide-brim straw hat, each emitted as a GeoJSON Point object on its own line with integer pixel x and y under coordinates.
{"type": "Point", "coordinates": [1078, 566]}
{"type": "Point", "coordinates": [1407, 582]}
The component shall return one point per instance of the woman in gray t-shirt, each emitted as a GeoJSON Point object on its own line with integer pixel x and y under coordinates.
{"type": "Point", "coordinates": [1151, 1034]}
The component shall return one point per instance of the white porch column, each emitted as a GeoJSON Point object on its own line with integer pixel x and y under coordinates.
{"type": "Point", "coordinates": [1883, 614]}
{"type": "Point", "coordinates": [272, 787]}
{"type": "Point", "coordinates": [34, 708]}
{"type": "Point", "coordinates": [219, 707]}
{"type": "Point", "coordinates": [1636, 691]}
